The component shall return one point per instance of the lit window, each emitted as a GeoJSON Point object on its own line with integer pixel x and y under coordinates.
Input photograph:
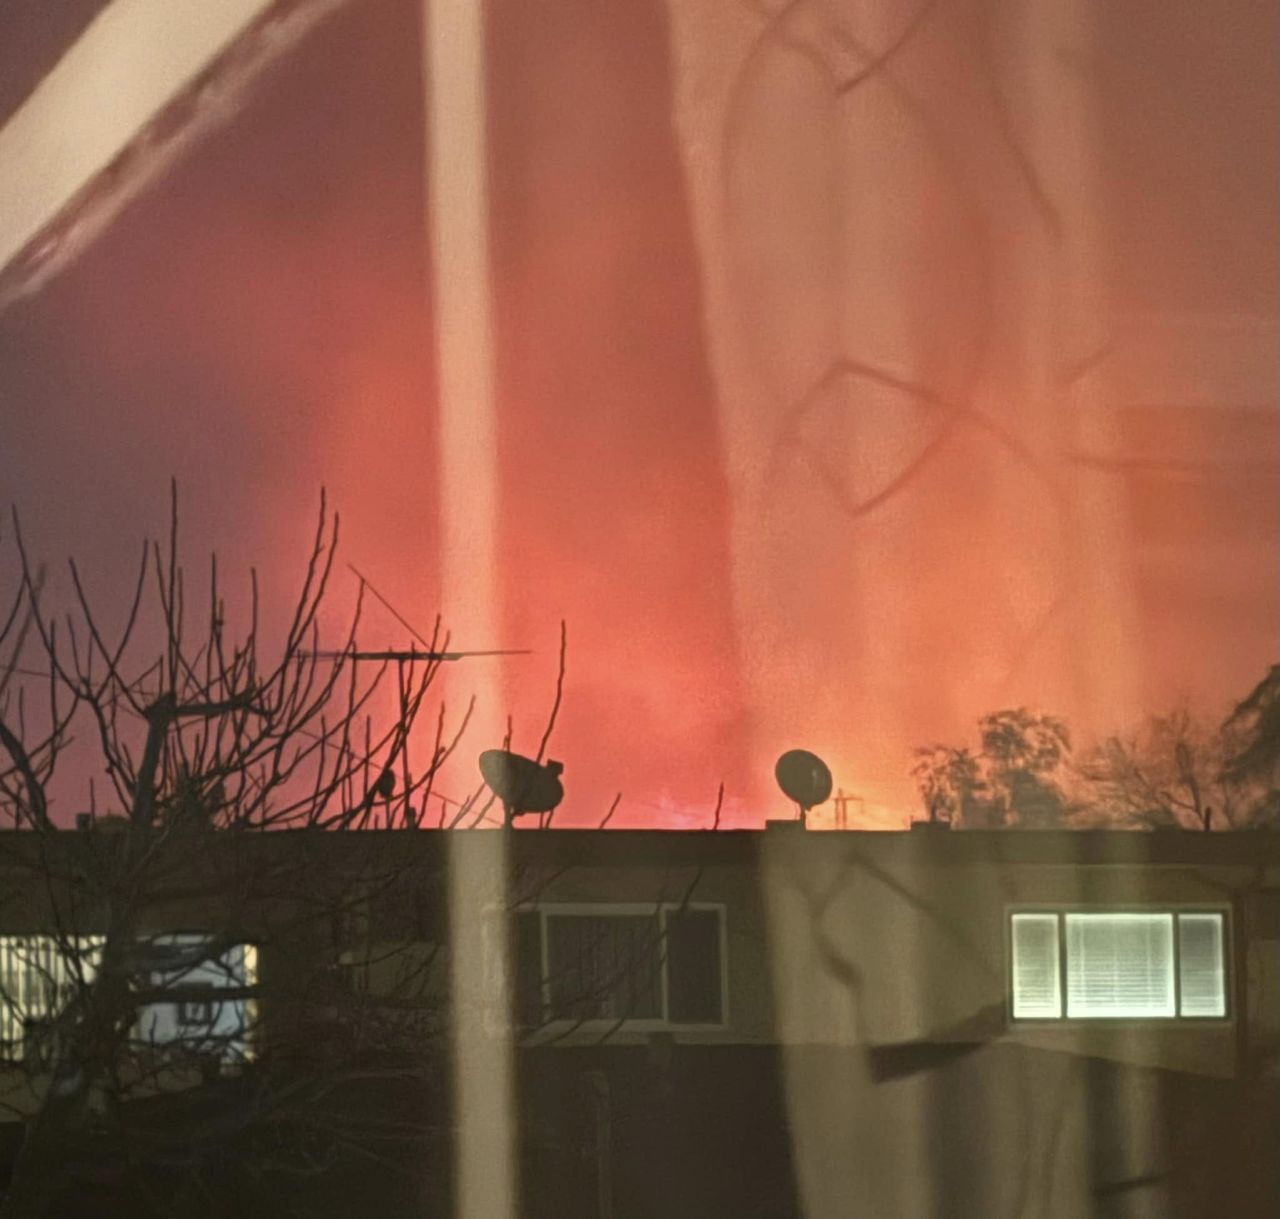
{"type": "Point", "coordinates": [633, 964]}
{"type": "Point", "coordinates": [1120, 965]}
{"type": "Point", "coordinates": [1117, 965]}
{"type": "Point", "coordinates": [1202, 980]}
{"type": "Point", "coordinates": [189, 968]}
{"type": "Point", "coordinates": [39, 977]}
{"type": "Point", "coordinates": [1037, 975]}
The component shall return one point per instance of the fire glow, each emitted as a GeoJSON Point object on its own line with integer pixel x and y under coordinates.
{"type": "Point", "coordinates": [640, 473]}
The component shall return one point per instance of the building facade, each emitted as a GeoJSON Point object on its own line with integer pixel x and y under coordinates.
{"type": "Point", "coordinates": [923, 1023]}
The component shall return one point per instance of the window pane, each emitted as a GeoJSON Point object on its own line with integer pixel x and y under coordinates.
{"type": "Point", "coordinates": [188, 967]}
{"type": "Point", "coordinates": [604, 967]}
{"type": "Point", "coordinates": [1200, 967]}
{"type": "Point", "coordinates": [693, 966]}
{"type": "Point", "coordinates": [528, 968]}
{"type": "Point", "coordinates": [1119, 965]}
{"type": "Point", "coordinates": [39, 976]}
{"type": "Point", "coordinates": [1037, 986]}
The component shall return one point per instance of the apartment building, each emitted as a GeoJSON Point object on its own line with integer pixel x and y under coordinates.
{"type": "Point", "coordinates": [920, 1023]}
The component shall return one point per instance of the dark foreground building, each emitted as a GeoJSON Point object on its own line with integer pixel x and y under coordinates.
{"type": "Point", "coordinates": [778, 1023]}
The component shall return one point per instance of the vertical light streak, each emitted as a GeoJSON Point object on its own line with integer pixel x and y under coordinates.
{"type": "Point", "coordinates": [458, 215]}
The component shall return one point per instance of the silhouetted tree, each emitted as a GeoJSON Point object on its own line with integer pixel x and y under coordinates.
{"type": "Point", "coordinates": [1255, 755]}
{"type": "Point", "coordinates": [952, 783]}
{"type": "Point", "coordinates": [1014, 779]}
{"type": "Point", "coordinates": [1166, 775]}
{"type": "Point", "coordinates": [1179, 771]}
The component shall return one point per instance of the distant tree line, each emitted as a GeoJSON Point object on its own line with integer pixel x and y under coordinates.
{"type": "Point", "coordinates": [1175, 771]}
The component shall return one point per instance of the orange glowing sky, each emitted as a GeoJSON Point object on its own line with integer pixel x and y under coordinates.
{"type": "Point", "coordinates": [258, 325]}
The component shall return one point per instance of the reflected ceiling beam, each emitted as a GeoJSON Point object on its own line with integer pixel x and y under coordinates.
{"type": "Point", "coordinates": [457, 226]}
{"type": "Point", "coordinates": [145, 80]}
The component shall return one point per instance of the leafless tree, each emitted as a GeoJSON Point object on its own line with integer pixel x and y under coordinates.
{"type": "Point", "coordinates": [232, 766]}
{"type": "Point", "coordinates": [1176, 771]}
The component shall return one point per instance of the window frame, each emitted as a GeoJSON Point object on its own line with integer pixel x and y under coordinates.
{"type": "Point", "coordinates": [1060, 910]}
{"type": "Point", "coordinates": [639, 1024]}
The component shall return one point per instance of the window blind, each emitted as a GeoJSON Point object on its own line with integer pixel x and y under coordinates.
{"type": "Point", "coordinates": [38, 977]}
{"type": "Point", "coordinates": [1120, 965]}
{"type": "Point", "coordinates": [1201, 975]}
{"type": "Point", "coordinates": [1037, 984]}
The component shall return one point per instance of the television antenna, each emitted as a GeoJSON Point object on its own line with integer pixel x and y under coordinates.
{"type": "Point", "coordinates": [384, 787]}
{"type": "Point", "coordinates": [402, 656]}
{"type": "Point", "coordinates": [411, 654]}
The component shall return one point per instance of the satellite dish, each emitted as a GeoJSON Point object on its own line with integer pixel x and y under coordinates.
{"type": "Point", "coordinates": [804, 777]}
{"type": "Point", "coordinates": [523, 785]}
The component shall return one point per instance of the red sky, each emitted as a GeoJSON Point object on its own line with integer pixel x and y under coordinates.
{"type": "Point", "coordinates": [258, 326]}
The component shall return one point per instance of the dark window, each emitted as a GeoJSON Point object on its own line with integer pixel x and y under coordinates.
{"type": "Point", "coordinates": [528, 968]}
{"type": "Point", "coordinates": [404, 912]}
{"type": "Point", "coordinates": [661, 966]}
{"type": "Point", "coordinates": [604, 967]}
{"type": "Point", "coordinates": [345, 926]}
{"type": "Point", "coordinates": [693, 967]}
